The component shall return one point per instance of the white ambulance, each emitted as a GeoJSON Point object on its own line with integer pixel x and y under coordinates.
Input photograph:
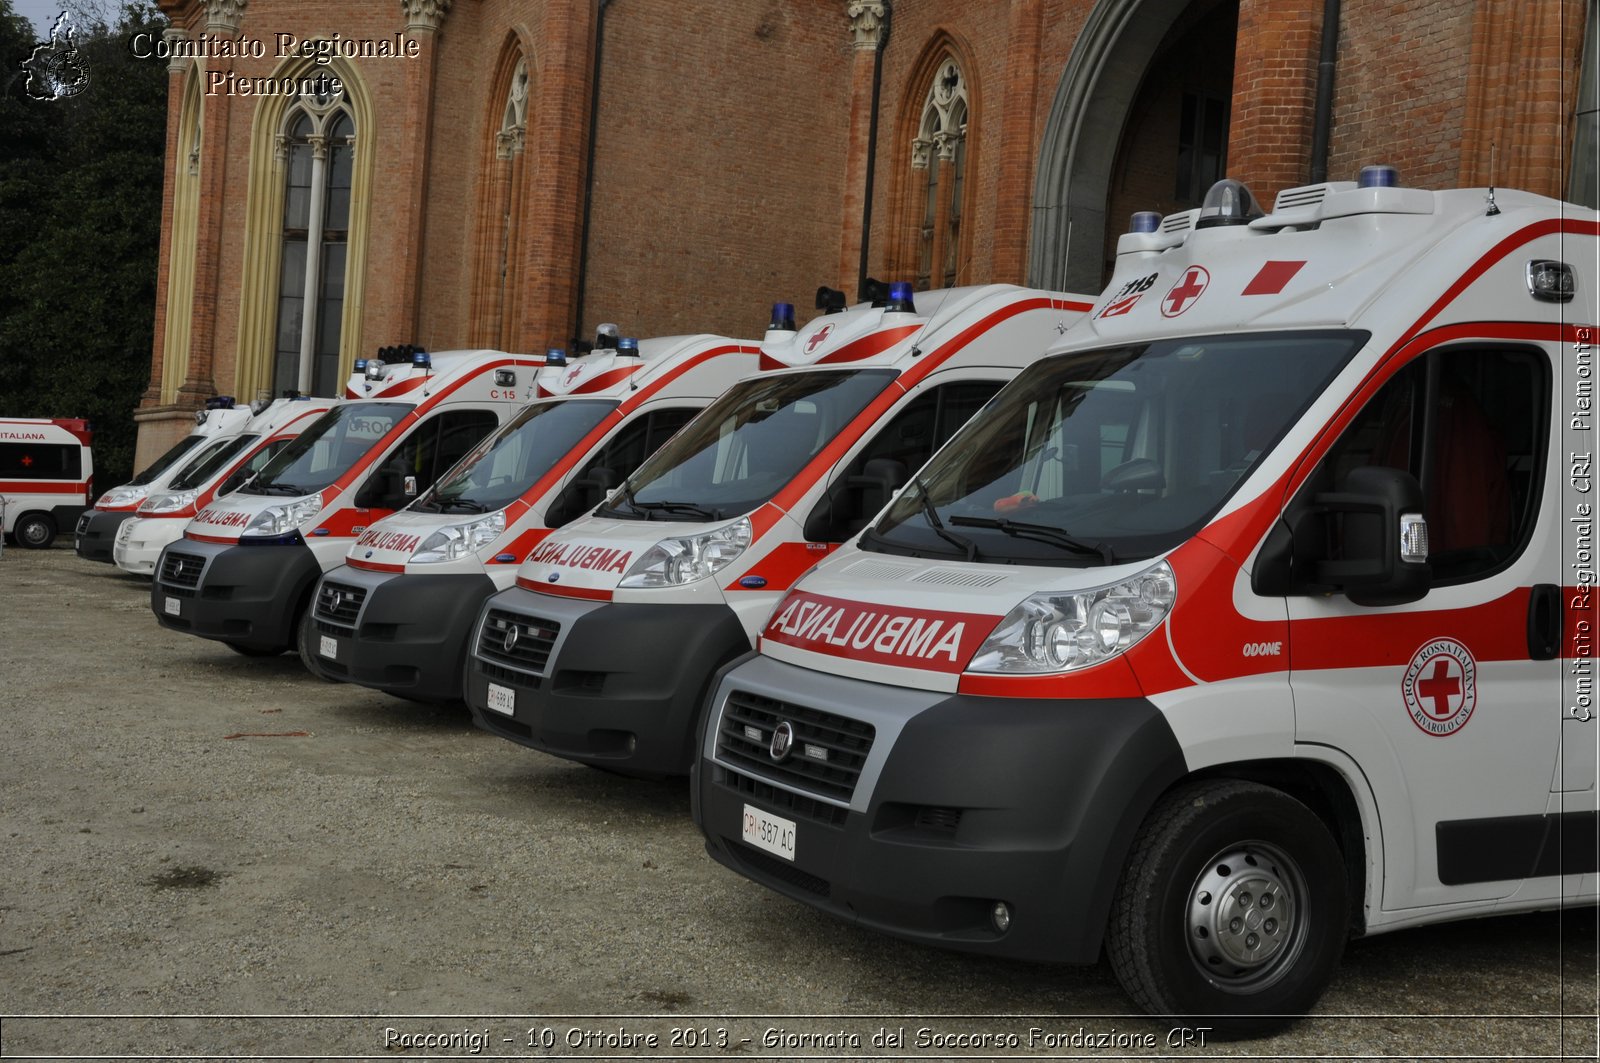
{"type": "Point", "coordinates": [396, 615]}
{"type": "Point", "coordinates": [218, 469]}
{"type": "Point", "coordinates": [96, 531]}
{"type": "Point", "coordinates": [244, 570]}
{"type": "Point", "coordinates": [603, 651]}
{"type": "Point", "coordinates": [46, 477]}
{"type": "Point", "coordinates": [1258, 614]}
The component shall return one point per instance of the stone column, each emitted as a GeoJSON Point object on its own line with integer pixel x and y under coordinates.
{"type": "Point", "coordinates": [423, 18]}
{"type": "Point", "coordinates": [177, 71]}
{"type": "Point", "coordinates": [866, 29]}
{"type": "Point", "coordinates": [223, 19]}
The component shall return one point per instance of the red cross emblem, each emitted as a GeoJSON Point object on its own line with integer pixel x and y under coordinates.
{"type": "Point", "coordinates": [1183, 294]}
{"type": "Point", "coordinates": [1440, 687]}
{"type": "Point", "coordinates": [572, 374]}
{"type": "Point", "coordinates": [818, 336]}
{"type": "Point", "coordinates": [27, 459]}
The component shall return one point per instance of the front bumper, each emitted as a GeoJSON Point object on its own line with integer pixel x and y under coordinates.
{"type": "Point", "coordinates": [249, 595]}
{"type": "Point", "coordinates": [615, 685]}
{"type": "Point", "coordinates": [925, 809]}
{"type": "Point", "coordinates": [95, 536]}
{"type": "Point", "coordinates": [139, 543]}
{"type": "Point", "coordinates": [403, 633]}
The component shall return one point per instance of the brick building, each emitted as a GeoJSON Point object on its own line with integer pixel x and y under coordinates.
{"type": "Point", "coordinates": [509, 173]}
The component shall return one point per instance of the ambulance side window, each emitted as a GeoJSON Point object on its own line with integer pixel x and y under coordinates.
{"type": "Point", "coordinates": [40, 461]}
{"type": "Point", "coordinates": [252, 466]}
{"type": "Point", "coordinates": [1471, 424]}
{"type": "Point", "coordinates": [886, 463]}
{"type": "Point", "coordinates": [425, 455]}
{"type": "Point", "coordinates": [622, 454]}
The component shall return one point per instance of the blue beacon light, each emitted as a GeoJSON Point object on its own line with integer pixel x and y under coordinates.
{"type": "Point", "coordinates": [555, 356]}
{"type": "Point", "coordinates": [900, 301]}
{"type": "Point", "coordinates": [782, 318]}
{"type": "Point", "coordinates": [1144, 221]}
{"type": "Point", "coordinates": [1378, 177]}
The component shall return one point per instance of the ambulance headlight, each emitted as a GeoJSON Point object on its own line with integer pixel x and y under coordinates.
{"type": "Point", "coordinates": [1061, 632]}
{"type": "Point", "coordinates": [673, 562]}
{"type": "Point", "coordinates": [459, 540]}
{"type": "Point", "coordinates": [284, 518]}
{"type": "Point", "coordinates": [119, 497]}
{"type": "Point", "coordinates": [169, 503]}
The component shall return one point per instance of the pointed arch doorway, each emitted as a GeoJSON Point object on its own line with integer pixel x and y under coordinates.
{"type": "Point", "coordinates": [1144, 94]}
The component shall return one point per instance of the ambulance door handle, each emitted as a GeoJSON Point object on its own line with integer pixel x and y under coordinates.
{"type": "Point", "coordinates": [1544, 622]}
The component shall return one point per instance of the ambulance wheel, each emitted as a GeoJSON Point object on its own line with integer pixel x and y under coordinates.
{"type": "Point", "coordinates": [34, 531]}
{"type": "Point", "coordinates": [1232, 908]}
{"type": "Point", "coordinates": [306, 641]}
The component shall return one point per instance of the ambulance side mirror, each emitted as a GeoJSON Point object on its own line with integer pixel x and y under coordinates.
{"type": "Point", "coordinates": [1367, 541]}
{"type": "Point", "coordinates": [1371, 521]}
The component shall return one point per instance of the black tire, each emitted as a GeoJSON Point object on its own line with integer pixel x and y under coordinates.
{"type": "Point", "coordinates": [34, 531]}
{"type": "Point", "coordinates": [251, 651]}
{"type": "Point", "coordinates": [306, 642]}
{"type": "Point", "coordinates": [1233, 908]}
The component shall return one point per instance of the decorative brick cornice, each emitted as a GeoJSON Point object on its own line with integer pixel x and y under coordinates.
{"type": "Point", "coordinates": [224, 16]}
{"type": "Point", "coordinates": [866, 22]}
{"type": "Point", "coordinates": [424, 16]}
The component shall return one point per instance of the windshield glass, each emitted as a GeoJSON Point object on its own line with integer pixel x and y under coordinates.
{"type": "Point", "coordinates": [326, 450]}
{"type": "Point", "coordinates": [1111, 455]}
{"type": "Point", "coordinates": [513, 459]}
{"type": "Point", "coordinates": [167, 460]}
{"type": "Point", "coordinates": [746, 446]}
{"type": "Point", "coordinates": [211, 461]}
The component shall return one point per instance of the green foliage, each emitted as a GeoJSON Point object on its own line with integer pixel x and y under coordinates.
{"type": "Point", "coordinates": [80, 233]}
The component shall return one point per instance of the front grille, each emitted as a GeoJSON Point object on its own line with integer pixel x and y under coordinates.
{"type": "Point", "coordinates": [83, 523]}
{"type": "Point", "coordinates": [530, 649]}
{"type": "Point", "coordinates": [339, 603]}
{"type": "Point", "coordinates": [825, 758]}
{"type": "Point", "coordinates": [786, 801]}
{"type": "Point", "coordinates": [182, 570]}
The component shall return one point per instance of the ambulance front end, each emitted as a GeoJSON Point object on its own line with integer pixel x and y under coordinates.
{"type": "Point", "coordinates": [245, 568]}
{"type": "Point", "coordinates": [1233, 627]}
{"type": "Point", "coordinates": [397, 614]}
{"type": "Point", "coordinates": [217, 469]}
{"type": "Point", "coordinates": [603, 651]}
{"type": "Point", "coordinates": [95, 534]}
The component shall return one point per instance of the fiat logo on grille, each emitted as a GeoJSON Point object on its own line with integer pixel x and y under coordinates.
{"type": "Point", "coordinates": [782, 742]}
{"type": "Point", "coordinates": [510, 642]}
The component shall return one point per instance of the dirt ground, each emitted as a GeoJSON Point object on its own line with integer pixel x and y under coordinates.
{"type": "Point", "coordinates": [211, 856]}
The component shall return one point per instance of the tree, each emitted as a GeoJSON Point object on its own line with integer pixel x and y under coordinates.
{"type": "Point", "coordinates": [80, 232]}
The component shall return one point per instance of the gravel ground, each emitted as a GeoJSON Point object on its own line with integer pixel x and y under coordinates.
{"type": "Point", "coordinates": [210, 856]}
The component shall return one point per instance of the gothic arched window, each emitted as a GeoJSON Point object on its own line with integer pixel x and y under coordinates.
{"type": "Point", "coordinates": [317, 146]}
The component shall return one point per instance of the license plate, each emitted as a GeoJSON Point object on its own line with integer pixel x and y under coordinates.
{"type": "Point", "coordinates": [328, 648]}
{"type": "Point", "coordinates": [766, 831]}
{"type": "Point", "coordinates": [171, 606]}
{"type": "Point", "coordinates": [502, 699]}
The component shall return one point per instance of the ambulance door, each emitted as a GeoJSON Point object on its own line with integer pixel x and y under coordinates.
{"type": "Point", "coordinates": [1446, 704]}
{"type": "Point", "coordinates": [615, 459]}
{"type": "Point", "coordinates": [892, 453]}
{"type": "Point", "coordinates": [426, 453]}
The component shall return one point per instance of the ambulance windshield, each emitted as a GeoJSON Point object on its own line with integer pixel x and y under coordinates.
{"type": "Point", "coordinates": [513, 459]}
{"type": "Point", "coordinates": [1111, 455]}
{"type": "Point", "coordinates": [211, 461]}
{"type": "Point", "coordinates": [328, 449]}
{"type": "Point", "coordinates": [743, 448]}
{"type": "Point", "coordinates": [167, 460]}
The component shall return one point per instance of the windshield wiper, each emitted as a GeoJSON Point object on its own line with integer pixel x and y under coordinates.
{"type": "Point", "coordinates": [277, 489]}
{"type": "Point", "coordinates": [931, 515]}
{"type": "Point", "coordinates": [649, 509]}
{"type": "Point", "coordinates": [467, 504]}
{"type": "Point", "coordinates": [1044, 532]}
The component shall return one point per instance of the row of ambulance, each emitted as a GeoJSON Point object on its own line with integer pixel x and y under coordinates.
{"type": "Point", "coordinates": [1208, 623]}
